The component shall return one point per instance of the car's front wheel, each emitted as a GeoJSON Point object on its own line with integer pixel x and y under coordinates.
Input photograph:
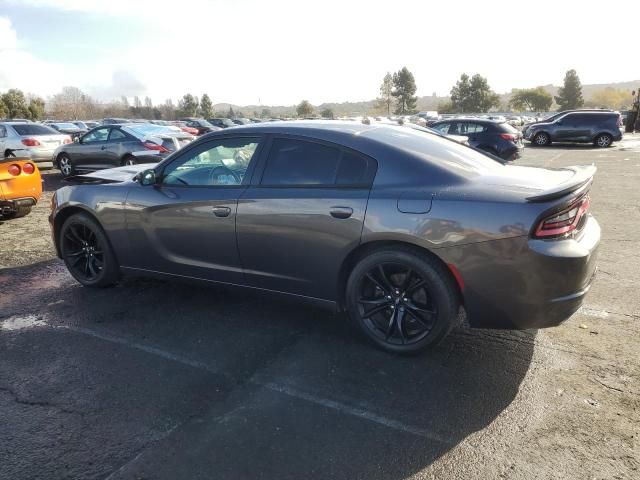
{"type": "Point", "coordinates": [129, 160]}
{"type": "Point", "coordinates": [541, 139]}
{"type": "Point", "coordinates": [86, 252]}
{"type": "Point", "coordinates": [603, 140]}
{"type": "Point", "coordinates": [65, 166]}
{"type": "Point", "coordinates": [401, 300]}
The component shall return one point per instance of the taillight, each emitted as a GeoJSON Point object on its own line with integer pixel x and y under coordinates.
{"type": "Point", "coordinates": [14, 170]}
{"type": "Point", "coordinates": [28, 168]}
{"type": "Point", "coordinates": [30, 142]}
{"type": "Point", "coordinates": [509, 136]}
{"type": "Point", "coordinates": [67, 141]}
{"type": "Point", "coordinates": [155, 146]}
{"type": "Point", "coordinates": [561, 223]}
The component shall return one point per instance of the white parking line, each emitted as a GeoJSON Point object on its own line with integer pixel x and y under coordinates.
{"type": "Point", "coordinates": [325, 402]}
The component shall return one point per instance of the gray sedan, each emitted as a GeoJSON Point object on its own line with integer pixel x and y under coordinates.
{"type": "Point", "coordinates": [397, 227]}
{"type": "Point", "coordinates": [36, 141]}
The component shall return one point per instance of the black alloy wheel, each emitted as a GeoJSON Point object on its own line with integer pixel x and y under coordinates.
{"type": "Point", "coordinates": [86, 252]}
{"type": "Point", "coordinates": [403, 302]}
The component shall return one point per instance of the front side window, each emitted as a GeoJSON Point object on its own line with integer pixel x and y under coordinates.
{"type": "Point", "coordinates": [97, 135]}
{"type": "Point", "coordinates": [444, 128]}
{"type": "Point", "coordinates": [298, 162]}
{"type": "Point", "coordinates": [218, 163]}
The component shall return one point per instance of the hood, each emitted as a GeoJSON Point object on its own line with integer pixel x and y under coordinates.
{"type": "Point", "coordinates": [112, 175]}
{"type": "Point", "coordinates": [530, 184]}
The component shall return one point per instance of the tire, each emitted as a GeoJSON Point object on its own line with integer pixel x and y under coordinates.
{"type": "Point", "coordinates": [129, 160]}
{"type": "Point", "coordinates": [399, 314]}
{"type": "Point", "coordinates": [541, 139]}
{"type": "Point", "coordinates": [9, 154]}
{"type": "Point", "coordinates": [19, 212]}
{"type": "Point", "coordinates": [604, 140]}
{"type": "Point", "coordinates": [87, 253]}
{"type": "Point", "coordinates": [65, 166]}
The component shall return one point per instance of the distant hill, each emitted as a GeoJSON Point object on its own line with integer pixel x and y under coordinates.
{"type": "Point", "coordinates": [424, 103]}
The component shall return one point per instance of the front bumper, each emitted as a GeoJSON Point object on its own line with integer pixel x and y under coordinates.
{"type": "Point", "coordinates": [522, 283]}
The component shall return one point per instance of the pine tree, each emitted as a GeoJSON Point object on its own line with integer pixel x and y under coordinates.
{"type": "Point", "coordinates": [404, 89]}
{"type": "Point", "coordinates": [570, 95]}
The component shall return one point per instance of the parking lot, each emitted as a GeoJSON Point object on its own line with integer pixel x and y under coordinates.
{"type": "Point", "coordinates": [155, 379]}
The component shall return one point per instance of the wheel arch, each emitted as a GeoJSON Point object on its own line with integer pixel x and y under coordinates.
{"type": "Point", "coordinates": [602, 132]}
{"type": "Point", "coordinates": [364, 249]}
{"type": "Point", "coordinates": [63, 214]}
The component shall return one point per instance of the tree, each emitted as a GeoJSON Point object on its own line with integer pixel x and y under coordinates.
{"type": "Point", "coordinates": [125, 102]}
{"type": "Point", "coordinates": [188, 106]}
{"type": "Point", "coordinates": [231, 113]}
{"type": "Point", "coordinates": [15, 104]}
{"type": "Point", "coordinates": [570, 95]}
{"type": "Point", "coordinates": [473, 95]}
{"type": "Point", "coordinates": [531, 99]}
{"type": "Point", "coordinates": [266, 113]}
{"type": "Point", "coordinates": [404, 89]}
{"type": "Point", "coordinates": [3, 109]}
{"type": "Point", "coordinates": [610, 98]}
{"type": "Point", "coordinates": [304, 108]}
{"type": "Point", "coordinates": [326, 113]}
{"type": "Point", "coordinates": [206, 106]}
{"type": "Point", "coordinates": [168, 110]}
{"type": "Point", "coordinates": [36, 108]}
{"type": "Point", "coordinates": [72, 103]}
{"type": "Point", "coordinates": [386, 93]}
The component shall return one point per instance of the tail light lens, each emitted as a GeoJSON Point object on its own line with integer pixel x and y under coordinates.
{"type": "Point", "coordinates": [509, 136]}
{"type": "Point", "coordinates": [14, 170]}
{"type": "Point", "coordinates": [30, 142]}
{"type": "Point", "coordinates": [155, 147]}
{"type": "Point", "coordinates": [28, 168]}
{"type": "Point", "coordinates": [67, 141]}
{"type": "Point", "coordinates": [561, 223]}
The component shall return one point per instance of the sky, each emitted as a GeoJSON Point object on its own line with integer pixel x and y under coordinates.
{"type": "Point", "coordinates": [278, 52]}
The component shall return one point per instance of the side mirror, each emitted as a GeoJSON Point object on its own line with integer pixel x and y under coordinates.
{"type": "Point", "coordinates": [77, 139]}
{"type": "Point", "coordinates": [147, 177]}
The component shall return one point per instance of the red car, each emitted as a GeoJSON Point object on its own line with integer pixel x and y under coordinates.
{"type": "Point", "coordinates": [183, 126]}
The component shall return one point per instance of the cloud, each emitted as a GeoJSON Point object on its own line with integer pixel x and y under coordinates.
{"type": "Point", "coordinates": [123, 82]}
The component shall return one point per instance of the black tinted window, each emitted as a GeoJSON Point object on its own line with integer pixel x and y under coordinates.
{"type": "Point", "coordinates": [31, 129]}
{"type": "Point", "coordinates": [297, 162]}
{"type": "Point", "coordinates": [355, 170]}
{"type": "Point", "coordinates": [116, 134]}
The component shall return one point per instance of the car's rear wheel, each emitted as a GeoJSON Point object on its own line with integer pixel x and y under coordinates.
{"type": "Point", "coordinates": [401, 300]}
{"type": "Point", "coordinates": [129, 160]}
{"type": "Point", "coordinates": [65, 166]}
{"type": "Point", "coordinates": [86, 252]}
{"type": "Point", "coordinates": [20, 211]}
{"type": "Point", "coordinates": [603, 140]}
{"type": "Point", "coordinates": [541, 139]}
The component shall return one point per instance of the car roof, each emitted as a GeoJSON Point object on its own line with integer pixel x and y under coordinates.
{"type": "Point", "coordinates": [488, 121]}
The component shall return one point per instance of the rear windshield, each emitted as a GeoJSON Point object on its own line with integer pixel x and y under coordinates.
{"type": "Point", "coordinates": [505, 127]}
{"type": "Point", "coordinates": [65, 125]}
{"type": "Point", "coordinates": [33, 129]}
{"type": "Point", "coordinates": [437, 150]}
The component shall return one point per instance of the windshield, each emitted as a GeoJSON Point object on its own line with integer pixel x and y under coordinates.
{"type": "Point", "coordinates": [33, 129]}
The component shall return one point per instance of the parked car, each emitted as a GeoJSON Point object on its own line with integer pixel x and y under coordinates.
{"type": "Point", "coordinates": [115, 145]}
{"type": "Point", "coordinates": [555, 116]}
{"type": "Point", "coordinates": [68, 128]}
{"type": "Point", "coordinates": [221, 122]}
{"type": "Point", "coordinates": [397, 227]}
{"type": "Point", "coordinates": [201, 124]}
{"type": "Point", "coordinates": [115, 121]}
{"type": "Point", "coordinates": [185, 128]}
{"type": "Point", "coordinates": [36, 141]}
{"type": "Point", "coordinates": [497, 138]}
{"type": "Point", "coordinates": [241, 121]}
{"type": "Point", "coordinates": [599, 128]}
{"type": "Point", "coordinates": [20, 185]}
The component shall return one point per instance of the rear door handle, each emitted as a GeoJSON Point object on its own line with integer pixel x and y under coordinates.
{"type": "Point", "coordinates": [221, 211]}
{"type": "Point", "coordinates": [341, 212]}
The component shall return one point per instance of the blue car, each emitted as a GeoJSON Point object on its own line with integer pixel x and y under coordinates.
{"type": "Point", "coordinates": [497, 138]}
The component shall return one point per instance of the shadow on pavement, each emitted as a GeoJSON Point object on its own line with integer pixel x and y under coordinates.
{"type": "Point", "coordinates": [303, 397]}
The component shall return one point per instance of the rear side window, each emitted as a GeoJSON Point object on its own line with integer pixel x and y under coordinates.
{"type": "Point", "coordinates": [301, 163]}
{"type": "Point", "coordinates": [472, 128]}
{"type": "Point", "coordinates": [506, 128]}
{"type": "Point", "coordinates": [116, 134]}
{"type": "Point", "coordinates": [29, 129]}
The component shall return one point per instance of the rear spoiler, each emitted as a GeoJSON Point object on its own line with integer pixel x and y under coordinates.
{"type": "Point", "coordinates": [580, 182]}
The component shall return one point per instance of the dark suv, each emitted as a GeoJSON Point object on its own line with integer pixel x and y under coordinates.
{"type": "Point", "coordinates": [498, 138]}
{"type": "Point", "coordinates": [599, 128]}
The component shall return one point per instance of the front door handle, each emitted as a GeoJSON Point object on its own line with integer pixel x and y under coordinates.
{"type": "Point", "coordinates": [341, 212]}
{"type": "Point", "coordinates": [221, 211]}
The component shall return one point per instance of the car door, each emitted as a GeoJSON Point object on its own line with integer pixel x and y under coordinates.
{"type": "Point", "coordinates": [565, 128]}
{"type": "Point", "coordinates": [89, 152]}
{"type": "Point", "coordinates": [302, 214]}
{"type": "Point", "coordinates": [186, 224]}
{"type": "Point", "coordinates": [3, 140]}
{"type": "Point", "coordinates": [475, 132]}
{"type": "Point", "coordinates": [113, 149]}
